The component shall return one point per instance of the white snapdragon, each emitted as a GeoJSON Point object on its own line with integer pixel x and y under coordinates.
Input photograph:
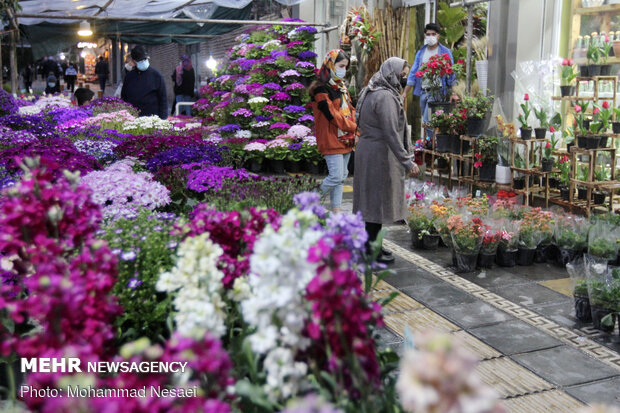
{"type": "Point", "coordinates": [198, 285]}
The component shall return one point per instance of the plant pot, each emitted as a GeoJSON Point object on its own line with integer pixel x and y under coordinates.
{"type": "Point", "coordinates": [519, 183]}
{"type": "Point", "coordinates": [540, 133]}
{"type": "Point", "coordinates": [454, 260]}
{"type": "Point", "coordinates": [597, 315]}
{"type": "Point", "coordinates": [292, 166]}
{"type": "Point", "coordinates": [503, 175]}
{"type": "Point", "coordinates": [312, 168]}
{"type": "Point", "coordinates": [487, 172]}
{"type": "Point", "coordinates": [276, 166]}
{"type": "Point", "coordinates": [565, 193]}
{"type": "Point", "coordinates": [547, 164]}
{"type": "Point", "coordinates": [430, 241]}
{"type": "Point", "coordinates": [416, 240]}
{"type": "Point", "coordinates": [569, 146]}
{"type": "Point", "coordinates": [594, 70]}
{"type": "Point", "coordinates": [551, 253]}
{"type": "Point", "coordinates": [443, 143]}
{"type": "Point", "coordinates": [435, 106]}
{"type": "Point", "coordinates": [615, 127]}
{"type": "Point", "coordinates": [525, 256]}
{"type": "Point", "coordinates": [442, 163]}
{"type": "Point", "coordinates": [554, 183]}
{"type": "Point", "coordinates": [466, 262]}
{"type": "Point", "coordinates": [592, 142]}
{"type": "Point", "coordinates": [505, 258]}
{"type": "Point", "coordinates": [582, 193]}
{"type": "Point", "coordinates": [567, 90]}
{"type": "Point", "coordinates": [526, 133]}
{"type": "Point", "coordinates": [457, 146]}
{"type": "Point", "coordinates": [254, 166]}
{"type": "Point", "coordinates": [567, 255]}
{"type": "Point", "coordinates": [602, 143]}
{"type": "Point", "coordinates": [599, 197]}
{"type": "Point", "coordinates": [583, 312]}
{"type": "Point", "coordinates": [486, 260]}
{"type": "Point", "coordinates": [582, 141]}
{"type": "Point", "coordinates": [540, 255]}
{"type": "Point", "coordinates": [605, 70]}
{"type": "Point", "coordinates": [583, 71]}
{"type": "Point", "coordinates": [475, 126]}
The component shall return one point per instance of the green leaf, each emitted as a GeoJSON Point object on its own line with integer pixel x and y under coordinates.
{"type": "Point", "coordinates": [255, 394]}
{"type": "Point", "coordinates": [7, 322]}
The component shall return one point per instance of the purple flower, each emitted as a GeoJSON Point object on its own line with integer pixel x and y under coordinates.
{"type": "Point", "coordinates": [307, 29]}
{"type": "Point", "coordinates": [246, 113]}
{"type": "Point", "coordinates": [211, 178]}
{"type": "Point", "coordinates": [294, 109]}
{"type": "Point", "coordinates": [134, 283]}
{"type": "Point", "coordinates": [272, 86]}
{"type": "Point", "coordinates": [7, 103]}
{"type": "Point", "coordinates": [306, 55]}
{"type": "Point", "coordinates": [295, 146]}
{"type": "Point", "coordinates": [310, 201]}
{"type": "Point", "coordinates": [281, 96]}
{"type": "Point", "coordinates": [306, 118]}
{"type": "Point", "coordinates": [280, 125]}
{"type": "Point", "coordinates": [229, 128]}
{"type": "Point", "coordinates": [259, 118]}
{"type": "Point", "coordinates": [294, 86]}
{"type": "Point", "coordinates": [278, 53]}
{"type": "Point", "coordinates": [185, 154]}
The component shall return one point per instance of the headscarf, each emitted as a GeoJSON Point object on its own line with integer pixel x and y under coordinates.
{"type": "Point", "coordinates": [327, 75]}
{"type": "Point", "coordinates": [186, 64]}
{"type": "Point", "coordinates": [388, 78]}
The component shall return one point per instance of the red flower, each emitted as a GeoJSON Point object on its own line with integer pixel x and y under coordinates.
{"type": "Point", "coordinates": [570, 62]}
{"type": "Point", "coordinates": [526, 97]}
{"type": "Point", "coordinates": [605, 105]}
{"type": "Point", "coordinates": [477, 164]}
{"type": "Point", "coordinates": [565, 62]}
{"type": "Point", "coordinates": [548, 145]}
{"type": "Point", "coordinates": [419, 73]}
{"type": "Point", "coordinates": [551, 129]}
{"type": "Point", "coordinates": [564, 159]}
{"type": "Point", "coordinates": [596, 111]}
{"type": "Point", "coordinates": [577, 108]}
{"type": "Point", "coordinates": [478, 156]}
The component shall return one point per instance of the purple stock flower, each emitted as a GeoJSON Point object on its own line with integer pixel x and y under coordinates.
{"type": "Point", "coordinates": [310, 201]}
{"type": "Point", "coordinates": [184, 155]}
{"type": "Point", "coordinates": [281, 96]}
{"type": "Point", "coordinates": [280, 125]}
{"type": "Point", "coordinates": [295, 146]}
{"type": "Point", "coordinates": [306, 118]}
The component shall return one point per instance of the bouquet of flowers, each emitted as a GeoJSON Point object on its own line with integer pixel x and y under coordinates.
{"type": "Point", "coordinates": [509, 235]}
{"type": "Point", "coordinates": [491, 238]}
{"type": "Point", "coordinates": [434, 72]}
{"type": "Point", "coordinates": [466, 234]}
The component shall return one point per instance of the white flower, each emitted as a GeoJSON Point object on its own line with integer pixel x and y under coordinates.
{"type": "Point", "coordinates": [240, 290]}
{"type": "Point", "coordinates": [258, 99]}
{"type": "Point", "coordinates": [284, 375]}
{"type": "Point", "coordinates": [243, 134]}
{"type": "Point", "coordinates": [255, 146]}
{"type": "Point", "coordinates": [198, 285]}
{"type": "Point", "coordinates": [29, 110]}
{"type": "Point", "coordinates": [260, 124]}
{"type": "Point", "coordinates": [299, 131]}
{"type": "Point", "coordinates": [277, 143]}
{"type": "Point", "coordinates": [153, 122]}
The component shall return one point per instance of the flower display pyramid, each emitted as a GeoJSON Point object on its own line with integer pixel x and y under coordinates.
{"type": "Point", "coordinates": [261, 92]}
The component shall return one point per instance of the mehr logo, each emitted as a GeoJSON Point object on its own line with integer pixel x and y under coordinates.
{"type": "Point", "coordinates": [51, 365]}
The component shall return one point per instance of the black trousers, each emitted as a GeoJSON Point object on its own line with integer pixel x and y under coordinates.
{"type": "Point", "coordinates": [373, 230]}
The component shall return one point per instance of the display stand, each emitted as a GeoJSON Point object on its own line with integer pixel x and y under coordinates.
{"type": "Point", "coordinates": [433, 155]}
{"type": "Point", "coordinates": [531, 146]}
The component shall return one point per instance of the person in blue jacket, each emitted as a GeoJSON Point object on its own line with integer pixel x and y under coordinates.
{"type": "Point", "coordinates": [431, 47]}
{"type": "Point", "coordinates": [145, 87]}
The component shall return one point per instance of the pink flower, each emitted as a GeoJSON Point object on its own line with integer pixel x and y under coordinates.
{"type": "Point", "coordinates": [577, 108]}
{"type": "Point", "coordinates": [547, 145]}
{"type": "Point", "coordinates": [419, 73]}
{"type": "Point", "coordinates": [526, 97]}
{"type": "Point", "coordinates": [570, 62]}
{"type": "Point", "coordinates": [565, 62]}
{"type": "Point", "coordinates": [605, 105]}
{"type": "Point", "coordinates": [606, 38]}
{"type": "Point", "coordinates": [477, 164]}
{"type": "Point", "coordinates": [596, 111]}
{"type": "Point", "coordinates": [551, 129]}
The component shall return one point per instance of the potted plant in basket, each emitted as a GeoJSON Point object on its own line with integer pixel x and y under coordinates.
{"type": "Point", "coordinates": [255, 153]}
{"type": "Point", "coordinates": [422, 225]}
{"type": "Point", "coordinates": [541, 131]}
{"type": "Point", "coordinates": [486, 157]}
{"type": "Point", "coordinates": [444, 122]}
{"type": "Point", "coordinates": [466, 240]}
{"type": "Point", "coordinates": [294, 157]}
{"type": "Point", "coordinates": [526, 130]}
{"type": "Point", "coordinates": [568, 75]}
{"type": "Point", "coordinates": [277, 151]}
{"type": "Point", "coordinates": [535, 227]}
{"type": "Point", "coordinates": [490, 241]}
{"type": "Point", "coordinates": [593, 56]}
{"type": "Point", "coordinates": [612, 300]}
{"type": "Point", "coordinates": [604, 293]}
{"type": "Point", "coordinates": [311, 155]}
{"type": "Point", "coordinates": [476, 107]}
{"type": "Point", "coordinates": [577, 272]}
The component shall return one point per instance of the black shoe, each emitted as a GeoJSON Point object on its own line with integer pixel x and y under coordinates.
{"type": "Point", "coordinates": [386, 259]}
{"type": "Point", "coordinates": [386, 252]}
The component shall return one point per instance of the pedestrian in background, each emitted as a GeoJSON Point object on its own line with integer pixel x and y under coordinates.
{"type": "Point", "coordinates": [52, 85]}
{"type": "Point", "coordinates": [335, 128]}
{"type": "Point", "coordinates": [184, 80]}
{"type": "Point", "coordinates": [102, 71]}
{"type": "Point", "coordinates": [382, 159]}
{"type": "Point", "coordinates": [70, 76]}
{"type": "Point", "coordinates": [144, 87]}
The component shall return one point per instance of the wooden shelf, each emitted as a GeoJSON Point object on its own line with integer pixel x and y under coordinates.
{"type": "Point", "coordinates": [570, 98]}
{"type": "Point", "coordinates": [598, 185]}
{"type": "Point", "coordinates": [525, 141]}
{"type": "Point", "coordinates": [534, 171]}
{"type": "Point", "coordinates": [607, 8]}
{"type": "Point", "coordinates": [582, 151]}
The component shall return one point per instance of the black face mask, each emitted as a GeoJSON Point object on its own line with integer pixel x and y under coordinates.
{"type": "Point", "coordinates": [403, 82]}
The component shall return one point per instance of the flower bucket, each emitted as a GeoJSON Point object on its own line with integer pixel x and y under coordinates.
{"type": "Point", "coordinates": [519, 183]}
{"type": "Point", "coordinates": [592, 142]}
{"type": "Point", "coordinates": [597, 315]}
{"type": "Point", "coordinates": [602, 143]}
{"type": "Point", "coordinates": [540, 256]}
{"type": "Point", "coordinates": [615, 127]}
{"type": "Point", "coordinates": [567, 255]}
{"type": "Point", "coordinates": [430, 241]}
{"type": "Point", "coordinates": [540, 133]}
{"type": "Point", "coordinates": [547, 165]}
{"type": "Point", "coordinates": [567, 90]}
{"type": "Point", "coordinates": [605, 70]}
{"type": "Point", "coordinates": [599, 197]}
{"type": "Point", "coordinates": [487, 172]}
{"type": "Point", "coordinates": [475, 126]}
{"type": "Point", "coordinates": [594, 70]}
{"type": "Point", "coordinates": [526, 133]}
{"type": "Point", "coordinates": [576, 271]}
{"type": "Point", "coordinates": [582, 193]}
{"type": "Point", "coordinates": [443, 143]}
{"type": "Point", "coordinates": [565, 193]}
{"type": "Point", "coordinates": [583, 71]}
{"type": "Point", "coordinates": [255, 166]}
{"type": "Point", "coordinates": [416, 240]}
{"type": "Point", "coordinates": [554, 183]}
{"type": "Point", "coordinates": [525, 256]}
{"type": "Point", "coordinates": [486, 260]}
{"type": "Point", "coordinates": [466, 262]}
{"type": "Point", "coordinates": [506, 258]}
{"type": "Point", "coordinates": [582, 141]}
{"type": "Point", "coordinates": [292, 166]}
{"type": "Point", "coordinates": [277, 166]}
{"type": "Point", "coordinates": [312, 168]}
{"type": "Point", "coordinates": [503, 174]}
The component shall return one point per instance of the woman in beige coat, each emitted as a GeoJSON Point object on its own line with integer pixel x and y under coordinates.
{"type": "Point", "coordinates": [382, 159]}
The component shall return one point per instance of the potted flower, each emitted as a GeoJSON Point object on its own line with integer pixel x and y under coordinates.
{"type": "Point", "coordinates": [615, 125]}
{"type": "Point", "coordinates": [255, 154]}
{"type": "Point", "coordinates": [605, 113]}
{"type": "Point", "coordinates": [604, 298]}
{"type": "Point", "coordinates": [294, 157]}
{"type": "Point", "coordinates": [443, 121]}
{"type": "Point", "coordinates": [568, 75]}
{"type": "Point", "coordinates": [583, 127]}
{"type": "Point", "coordinates": [600, 175]}
{"type": "Point", "coordinates": [435, 73]}
{"type": "Point", "coordinates": [565, 169]}
{"type": "Point", "coordinates": [603, 241]}
{"type": "Point", "coordinates": [277, 151]}
{"type": "Point", "coordinates": [568, 137]}
{"type": "Point", "coordinates": [311, 155]}
{"type": "Point", "coordinates": [534, 229]}
{"type": "Point", "coordinates": [441, 213]}
{"type": "Point", "coordinates": [466, 239]}
{"type": "Point", "coordinates": [605, 47]}
{"type": "Point", "coordinates": [486, 157]}
{"type": "Point", "coordinates": [593, 56]}
{"type": "Point", "coordinates": [571, 234]}
{"type": "Point", "coordinates": [577, 272]}
{"type": "Point", "coordinates": [476, 107]}
{"type": "Point", "coordinates": [548, 161]}
{"type": "Point", "coordinates": [519, 181]}
{"type": "Point", "coordinates": [541, 131]}
{"type": "Point", "coordinates": [490, 241]}
{"type": "Point", "coordinates": [526, 130]}
{"type": "Point", "coordinates": [507, 249]}
{"type": "Point", "coordinates": [583, 175]}
{"type": "Point", "coordinates": [422, 226]}
{"type": "Point", "coordinates": [612, 301]}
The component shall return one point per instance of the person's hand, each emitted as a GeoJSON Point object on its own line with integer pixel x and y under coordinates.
{"type": "Point", "coordinates": [454, 98]}
{"type": "Point", "coordinates": [414, 171]}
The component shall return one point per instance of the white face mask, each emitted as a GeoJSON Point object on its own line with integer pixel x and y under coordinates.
{"type": "Point", "coordinates": [430, 40]}
{"type": "Point", "coordinates": [128, 67]}
{"type": "Point", "coordinates": [341, 73]}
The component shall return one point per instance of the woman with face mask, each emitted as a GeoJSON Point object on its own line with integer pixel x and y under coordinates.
{"type": "Point", "coordinates": [419, 86]}
{"type": "Point", "coordinates": [382, 158]}
{"type": "Point", "coordinates": [144, 87]}
{"type": "Point", "coordinates": [334, 119]}
{"type": "Point", "coordinates": [52, 86]}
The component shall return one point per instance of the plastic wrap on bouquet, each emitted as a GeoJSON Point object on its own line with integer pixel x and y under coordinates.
{"type": "Point", "coordinates": [579, 285]}
{"type": "Point", "coordinates": [603, 241]}
{"type": "Point", "coordinates": [536, 78]}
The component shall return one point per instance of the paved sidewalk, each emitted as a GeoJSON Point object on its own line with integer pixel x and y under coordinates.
{"type": "Point", "coordinates": [518, 321]}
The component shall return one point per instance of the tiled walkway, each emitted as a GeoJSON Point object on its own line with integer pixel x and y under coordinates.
{"type": "Point", "coordinates": [518, 321]}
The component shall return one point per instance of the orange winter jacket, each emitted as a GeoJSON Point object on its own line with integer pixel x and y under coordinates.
{"type": "Point", "coordinates": [328, 119]}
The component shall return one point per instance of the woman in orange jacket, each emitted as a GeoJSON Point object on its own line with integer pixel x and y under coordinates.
{"type": "Point", "coordinates": [334, 120]}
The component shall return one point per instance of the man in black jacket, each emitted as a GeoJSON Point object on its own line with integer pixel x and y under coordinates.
{"type": "Point", "coordinates": [102, 71]}
{"type": "Point", "coordinates": [144, 87]}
